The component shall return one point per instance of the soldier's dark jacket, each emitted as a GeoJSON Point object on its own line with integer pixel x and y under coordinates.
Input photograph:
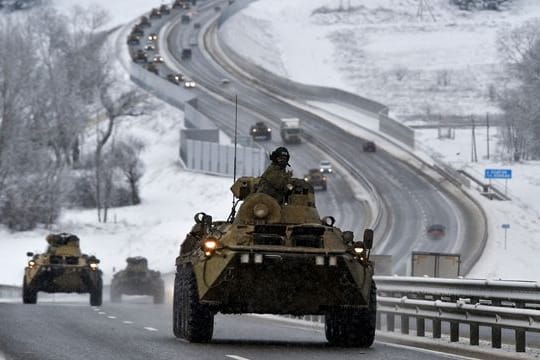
{"type": "Point", "coordinates": [274, 182]}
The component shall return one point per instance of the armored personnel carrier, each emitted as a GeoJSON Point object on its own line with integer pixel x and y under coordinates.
{"type": "Point", "coordinates": [275, 259]}
{"type": "Point", "coordinates": [137, 279]}
{"type": "Point", "coordinates": [62, 268]}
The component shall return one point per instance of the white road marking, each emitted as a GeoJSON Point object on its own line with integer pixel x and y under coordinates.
{"type": "Point", "coordinates": [96, 309]}
{"type": "Point", "coordinates": [127, 322]}
{"type": "Point", "coordinates": [102, 313]}
{"type": "Point", "coordinates": [150, 329]}
{"type": "Point", "coordinates": [236, 357]}
{"type": "Point", "coordinates": [111, 317]}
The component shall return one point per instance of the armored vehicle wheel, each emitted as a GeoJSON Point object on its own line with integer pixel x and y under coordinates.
{"type": "Point", "coordinates": [345, 327]}
{"type": "Point", "coordinates": [192, 320]}
{"type": "Point", "coordinates": [96, 294]}
{"type": "Point", "coordinates": [159, 294]}
{"type": "Point", "coordinates": [29, 294]}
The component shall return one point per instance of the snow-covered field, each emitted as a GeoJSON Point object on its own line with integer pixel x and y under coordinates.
{"type": "Point", "coordinates": [365, 52]}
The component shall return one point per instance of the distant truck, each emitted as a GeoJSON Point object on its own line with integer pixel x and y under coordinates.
{"type": "Point", "coordinates": [290, 130]}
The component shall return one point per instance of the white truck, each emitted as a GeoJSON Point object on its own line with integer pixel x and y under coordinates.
{"type": "Point", "coordinates": [290, 130]}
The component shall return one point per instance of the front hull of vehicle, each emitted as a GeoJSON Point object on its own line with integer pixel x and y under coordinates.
{"type": "Point", "coordinates": [262, 281]}
{"type": "Point", "coordinates": [54, 278]}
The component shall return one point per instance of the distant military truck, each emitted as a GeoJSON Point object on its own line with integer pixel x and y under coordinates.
{"type": "Point", "coordinates": [316, 179]}
{"type": "Point", "coordinates": [290, 130]}
{"type": "Point", "coordinates": [260, 131]}
{"type": "Point", "coordinates": [62, 268]}
{"type": "Point", "coordinates": [137, 279]}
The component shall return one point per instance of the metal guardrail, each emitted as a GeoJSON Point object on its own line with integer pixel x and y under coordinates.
{"type": "Point", "coordinates": [513, 305]}
{"type": "Point", "coordinates": [9, 291]}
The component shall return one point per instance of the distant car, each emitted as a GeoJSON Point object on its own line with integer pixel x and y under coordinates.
{"type": "Point", "coordinates": [152, 68]}
{"type": "Point", "coordinates": [186, 54]}
{"type": "Point", "coordinates": [144, 22]}
{"type": "Point", "coordinates": [260, 131]}
{"type": "Point", "coordinates": [189, 84]}
{"type": "Point", "coordinates": [436, 231]}
{"type": "Point", "coordinates": [157, 59]}
{"type": "Point", "coordinates": [137, 31]}
{"type": "Point", "coordinates": [197, 25]}
{"type": "Point", "coordinates": [150, 47]}
{"type": "Point", "coordinates": [140, 57]}
{"type": "Point", "coordinates": [175, 78]}
{"type": "Point", "coordinates": [155, 14]}
{"type": "Point", "coordinates": [152, 37]}
{"type": "Point", "coordinates": [164, 9]}
{"type": "Point", "coordinates": [316, 179]}
{"type": "Point", "coordinates": [225, 81]}
{"type": "Point", "coordinates": [325, 167]}
{"type": "Point", "coordinates": [133, 40]}
{"type": "Point", "coordinates": [369, 146]}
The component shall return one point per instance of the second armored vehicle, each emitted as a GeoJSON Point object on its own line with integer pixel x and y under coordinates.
{"type": "Point", "coordinates": [62, 268]}
{"type": "Point", "coordinates": [137, 279]}
{"type": "Point", "coordinates": [275, 259]}
{"type": "Point", "coordinates": [261, 131]}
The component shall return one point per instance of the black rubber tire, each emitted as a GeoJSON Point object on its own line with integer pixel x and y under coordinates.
{"type": "Point", "coordinates": [353, 328]}
{"type": "Point", "coordinates": [192, 320]}
{"type": "Point", "coordinates": [159, 293]}
{"type": "Point", "coordinates": [29, 295]}
{"type": "Point", "coordinates": [96, 294]}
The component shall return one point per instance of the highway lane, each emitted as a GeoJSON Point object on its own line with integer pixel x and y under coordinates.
{"type": "Point", "coordinates": [139, 329]}
{"type": "Point", "coordinates": [411, 201]}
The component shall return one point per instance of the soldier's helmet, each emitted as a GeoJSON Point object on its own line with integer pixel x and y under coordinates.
{"type": "Point", "coordinates": [280, 151]}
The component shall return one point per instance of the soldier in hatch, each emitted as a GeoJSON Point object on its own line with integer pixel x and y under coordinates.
{"type": "Point", "coordinates": [275, 178]}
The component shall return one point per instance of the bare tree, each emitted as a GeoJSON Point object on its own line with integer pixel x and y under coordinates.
{"type": "Point", "coordinates": [127, 104]}
{"type": "Point", "coordinates": [520, 50]}
{"type": "Point", "coordinates": [127, 154]}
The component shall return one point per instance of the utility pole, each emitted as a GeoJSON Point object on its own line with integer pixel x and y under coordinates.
{"type": "Point", "coordinates": [487, 137]}
{"type": "Point", "coordinates": [474, 155]}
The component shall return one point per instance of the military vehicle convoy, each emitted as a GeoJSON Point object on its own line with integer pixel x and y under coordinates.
{"type": "Point", "coordinates": [137, 279]}
{"type": "Point", "coordinates": [275, 259]}
{"type": "Point", "coordinates": [62, 268]}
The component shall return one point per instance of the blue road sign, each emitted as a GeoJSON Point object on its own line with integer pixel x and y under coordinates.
{"type": "Point", "coordinates": [506, 226]}
{"type": "Point", "coordinates": [498, 173]}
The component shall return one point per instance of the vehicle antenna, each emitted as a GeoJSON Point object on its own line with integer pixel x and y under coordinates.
{"type": "Point", "coordinates": [233, 210]}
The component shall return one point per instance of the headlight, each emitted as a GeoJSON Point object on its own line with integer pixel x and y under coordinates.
{"type": "Point", "coordinates": [306, 179]}
{"type": "Point", "coordinates": [358, 250]}
{"type": "Point", "coordinates": [31, 263]}
{"type": "Point", "coordinates": [93, 266]}
{"type": "Point", "coordinates": [210, 245]}
{"type": "Point", "coordinates": [321, 170]}
{"type": "Point", "coordinates": [269, 130]}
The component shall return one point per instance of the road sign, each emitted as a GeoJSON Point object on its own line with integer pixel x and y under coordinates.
{"type": "Point", "coordinates": [506, 226]}
{"type": "Point", "coordinates": [498, 173]}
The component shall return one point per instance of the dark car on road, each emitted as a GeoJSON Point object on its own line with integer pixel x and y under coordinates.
{"type": "Point", "coordinates": [369, 146]}
{"type": "Point", "coordinates": [436, 231]}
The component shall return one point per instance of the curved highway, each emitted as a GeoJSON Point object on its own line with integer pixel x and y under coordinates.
{"type": "Point", "coordinates": [410, 200]}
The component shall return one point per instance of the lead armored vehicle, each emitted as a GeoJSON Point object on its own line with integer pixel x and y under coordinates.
{"type": "Point", "coordinates": [275, 259]}
{"type": "Point", "coordinates": [137, 279]}
{"type": "Point", "coordinates": [62, 268]}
